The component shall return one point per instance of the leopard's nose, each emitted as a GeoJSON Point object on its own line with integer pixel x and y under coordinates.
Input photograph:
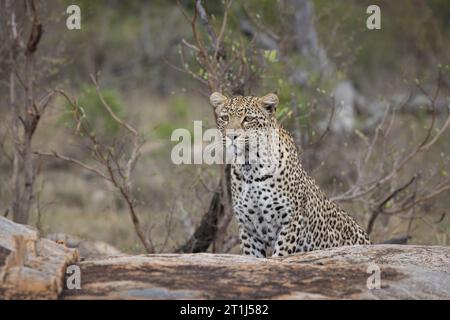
{"type": "Point", "coordinates": [232, 135]}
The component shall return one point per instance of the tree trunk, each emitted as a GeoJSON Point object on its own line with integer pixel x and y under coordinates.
{"type": "Point", "coordinates": [206, 232]}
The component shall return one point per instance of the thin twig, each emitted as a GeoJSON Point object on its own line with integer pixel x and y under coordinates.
{"type": "Point", "coordinates": [74, 161]}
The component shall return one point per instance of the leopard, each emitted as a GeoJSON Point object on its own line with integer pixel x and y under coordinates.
{"type": "Point", "coordinates": [280, 209]}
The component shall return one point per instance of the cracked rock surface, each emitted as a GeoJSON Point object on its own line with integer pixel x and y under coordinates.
{"type": "Point", "coordinates": [31, 267]}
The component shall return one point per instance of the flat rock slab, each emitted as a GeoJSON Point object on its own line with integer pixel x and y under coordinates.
{"type": "Point", "coordinates": [35, 268]}
{"type": "Point", "coordinates": [406, 272]}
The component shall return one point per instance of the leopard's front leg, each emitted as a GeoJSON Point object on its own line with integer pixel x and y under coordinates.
{"type": "Point", "coordinates": [251, 245]}
{"type": "Point", "coordinates": [288, 241]}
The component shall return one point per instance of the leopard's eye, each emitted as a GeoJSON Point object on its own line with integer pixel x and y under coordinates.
{"type": "Point", "coordinates": [248, 118]}
{"type": "Point", "coordinates": [224, 117]}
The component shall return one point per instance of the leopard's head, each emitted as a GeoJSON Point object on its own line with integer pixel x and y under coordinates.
{"type": "Point", "coordinates": [244, 113]}
{"type": "Point", "coordinates": [240, 119]}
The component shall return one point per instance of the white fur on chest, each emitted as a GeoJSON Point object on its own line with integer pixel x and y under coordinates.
{"type": "Point", "coordinates": [261, 204]}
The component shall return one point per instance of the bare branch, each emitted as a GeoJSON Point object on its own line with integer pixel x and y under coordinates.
{"type": "Point", "coordinates": [380, 207]}
{"type": "Point", "coordinates": [110, 111]}
{"type": "Point", "coordinates": [218, 42]}
{"type": "Point", "coordinates": [72, 160]}
{"type": "Point", "coordinates": [119, 175]}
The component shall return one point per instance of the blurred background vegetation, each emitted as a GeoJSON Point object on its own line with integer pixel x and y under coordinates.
{"type": "Point", "coordinates": [133, 47]}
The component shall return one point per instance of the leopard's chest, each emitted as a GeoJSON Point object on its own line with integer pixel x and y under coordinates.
{"type": "Point", "coordinates": [260, 205]}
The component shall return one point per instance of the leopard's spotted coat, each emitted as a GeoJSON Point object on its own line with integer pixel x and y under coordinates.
{"type": "Point", "coordinates": [281, 210]}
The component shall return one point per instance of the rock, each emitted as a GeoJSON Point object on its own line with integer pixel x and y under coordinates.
{"type": "Point", "coordinates": [86, 249]}
{"type": "Point", "coordinates": [406, 272]}
{"type": "Point", "coordinates": [34, 268]}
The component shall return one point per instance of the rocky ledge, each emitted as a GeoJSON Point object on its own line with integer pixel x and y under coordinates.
{"type": "Point", "coordinates": [35, 268]}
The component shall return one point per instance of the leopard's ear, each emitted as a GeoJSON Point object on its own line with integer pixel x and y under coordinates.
{"type": "Point", "coordinates": [217, 100]}
{"type": "Point", "coordinates": [269, 103]}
